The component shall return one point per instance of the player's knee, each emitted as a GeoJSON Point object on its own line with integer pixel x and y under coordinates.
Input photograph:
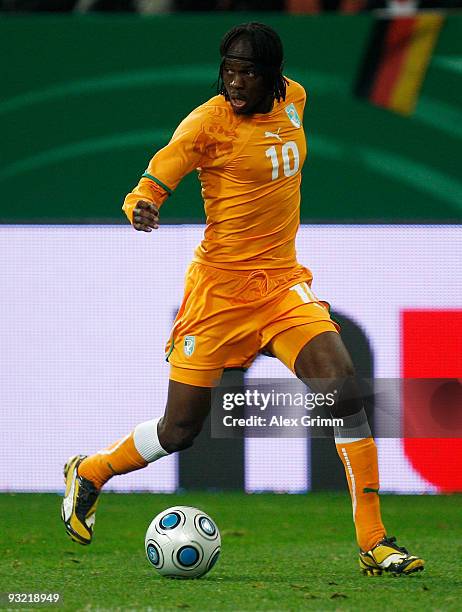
{"type": "Point", "coordinates": [332, 376]}
{"type": "Point", "coordinates": [348, 396]}
{"type": "Point", "coordinates": [342, 370]}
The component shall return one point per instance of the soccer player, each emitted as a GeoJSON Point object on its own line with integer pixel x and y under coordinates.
{"type": "Point", "coordinates": [245, 291]}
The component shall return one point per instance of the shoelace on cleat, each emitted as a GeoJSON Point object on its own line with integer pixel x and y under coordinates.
{"type": "Point", "coordinates": [392, 542]}
{"type": "Point", "coordinates": [86, 496]}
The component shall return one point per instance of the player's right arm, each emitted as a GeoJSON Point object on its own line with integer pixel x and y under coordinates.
{"type": "Point", "coordinates": [164, 172]}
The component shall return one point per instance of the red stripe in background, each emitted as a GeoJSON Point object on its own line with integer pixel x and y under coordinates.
{"type": "Point", "coordinates": [352, 6]}
{"type": "Point", "coordinates": [392, 60]}
{"type": "Point", "coordinates": [432, 348]}
{"type": "Point", "coordinates": [300, 7]}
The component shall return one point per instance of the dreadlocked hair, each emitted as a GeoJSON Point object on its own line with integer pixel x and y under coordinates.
{"type": "Point", "coordinates": [267, 54]}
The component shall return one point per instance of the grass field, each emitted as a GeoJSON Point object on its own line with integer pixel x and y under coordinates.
{"type": "Point", "coordinates": [279, 552]}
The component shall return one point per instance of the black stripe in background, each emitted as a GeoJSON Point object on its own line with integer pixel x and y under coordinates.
{"type": "Point", "coordinates": [372, 58]}
{"type": "Point", "coordinates": [327, 472]}
{"type": "Point", "coordinates": [214, 464]}
{"type": "Point", "coordinates": [330, 5]}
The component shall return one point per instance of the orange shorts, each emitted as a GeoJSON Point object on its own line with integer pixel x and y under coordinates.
{"type": "Point", "coordinates": [226, 318]}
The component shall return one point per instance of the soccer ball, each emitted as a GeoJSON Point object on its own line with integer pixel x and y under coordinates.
{"type": "Point", "coordinates": [182, 542]}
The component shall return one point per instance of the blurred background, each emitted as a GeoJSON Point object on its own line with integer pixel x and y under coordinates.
{"type": "Point", "coordinates": [91, 89]}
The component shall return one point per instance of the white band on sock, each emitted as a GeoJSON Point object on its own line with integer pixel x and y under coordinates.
{"type": "Point", "coordinates": [354, 427]}
{"type": "Point", "coordinates": [347, 440]}
{"type": "Point", "coordinates": [147, 441]}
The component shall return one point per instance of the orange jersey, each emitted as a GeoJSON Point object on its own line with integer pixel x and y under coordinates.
{"type": "Point", "coordinates": [250, 171]}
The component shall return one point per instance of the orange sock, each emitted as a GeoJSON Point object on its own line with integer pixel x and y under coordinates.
{"type": "Point", "coordinates": [119, 458]}
{"type": "Point", "coordinates": [359, 458]}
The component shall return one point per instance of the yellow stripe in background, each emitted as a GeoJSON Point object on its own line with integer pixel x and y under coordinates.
{"type": "Point", "coordinates": [424, 36]}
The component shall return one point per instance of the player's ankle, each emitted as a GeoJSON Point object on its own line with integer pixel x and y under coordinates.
{"type": "Point", "coordinates": [98, 483]}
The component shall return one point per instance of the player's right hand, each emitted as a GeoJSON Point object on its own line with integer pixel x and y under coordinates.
{"type": "Point", "coordinates": [145, 216]}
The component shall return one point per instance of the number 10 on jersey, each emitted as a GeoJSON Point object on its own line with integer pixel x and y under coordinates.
{"type": "Point", "coordinates": [288, 150]}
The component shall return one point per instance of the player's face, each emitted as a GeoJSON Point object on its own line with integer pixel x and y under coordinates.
{"type": "Point", "coordinates": [245, 87]}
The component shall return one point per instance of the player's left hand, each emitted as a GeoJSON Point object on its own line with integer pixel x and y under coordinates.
{"type": "Point", "coordinates": [145, 216]}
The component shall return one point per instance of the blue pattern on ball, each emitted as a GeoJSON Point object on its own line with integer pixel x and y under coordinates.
{"type": "Point", "coordinates": [207, 526]}
{"type": "Point", "coordinates": [188, 556]}
{"type": "Point", "coordinates": [170, 521]}
{"type": "Point", "coordinates": [153, 555]}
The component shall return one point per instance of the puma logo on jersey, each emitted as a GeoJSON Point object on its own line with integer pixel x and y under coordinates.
{"type": "Point", "coordinates": [274, 135]}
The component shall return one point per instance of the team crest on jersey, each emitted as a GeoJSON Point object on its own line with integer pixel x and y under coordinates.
{"type": "Point", "coordinates": [189, 345]}
{"type": "Point", "coordinates": [293, 115]}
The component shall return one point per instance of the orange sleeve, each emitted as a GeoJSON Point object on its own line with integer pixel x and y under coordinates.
{"type": "Point", "coordinates": [146, 190]}
{"type": "Point", "coordinates": [170, 164]}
